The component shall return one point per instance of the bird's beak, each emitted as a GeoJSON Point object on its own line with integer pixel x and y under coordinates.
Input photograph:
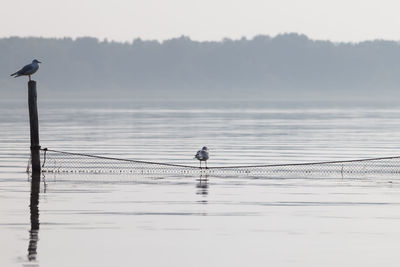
{"type": "Point", "coordinates": [39, 61]}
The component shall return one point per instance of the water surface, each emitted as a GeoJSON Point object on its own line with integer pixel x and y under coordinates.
{"type": "Point", "coordinates": [201, 221]}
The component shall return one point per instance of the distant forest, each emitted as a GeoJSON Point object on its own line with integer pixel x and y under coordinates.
{"type": "Point", "coordinates": [288, 66]}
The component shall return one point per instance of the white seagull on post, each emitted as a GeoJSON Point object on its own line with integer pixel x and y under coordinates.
{"type": "Point", "coordinates": [28, 70]}
{"type": "Point", "coordinates": [202, 155]}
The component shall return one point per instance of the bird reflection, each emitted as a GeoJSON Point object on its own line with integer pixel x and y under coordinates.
{"type": "Point", "coordinates": [202, 186]}
{"type": "Point", "coordinates": [34, 208]}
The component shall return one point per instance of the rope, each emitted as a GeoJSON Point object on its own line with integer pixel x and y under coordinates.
{"type": "Point", "coordinates": [44, 157]}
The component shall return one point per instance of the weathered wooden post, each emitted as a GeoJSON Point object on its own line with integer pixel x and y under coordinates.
{"type": "Point", "coordinates": [34, 126]}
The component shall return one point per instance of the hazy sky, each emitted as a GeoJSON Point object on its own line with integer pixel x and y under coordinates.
{"type": "Point", "coordinates": [124, 20]}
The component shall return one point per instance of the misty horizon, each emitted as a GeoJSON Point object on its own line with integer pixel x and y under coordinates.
{"type": "Point", "coordinates": [286, 66]}
{"type": "Point", "coordinates": [194, 39]}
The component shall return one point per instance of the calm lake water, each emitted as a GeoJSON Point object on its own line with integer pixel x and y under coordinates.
{"type": "Point", "coordinates": [212, 221]}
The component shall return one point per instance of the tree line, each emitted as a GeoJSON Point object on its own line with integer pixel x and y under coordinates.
{"type": "Point", "coordinates": [287, 64]}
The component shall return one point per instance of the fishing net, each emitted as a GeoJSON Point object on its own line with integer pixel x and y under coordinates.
{"type": "Point", "coordinates": [66, 162]}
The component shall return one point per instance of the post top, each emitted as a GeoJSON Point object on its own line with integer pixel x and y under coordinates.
{"type": "Point", "coordinates": [32, 84]}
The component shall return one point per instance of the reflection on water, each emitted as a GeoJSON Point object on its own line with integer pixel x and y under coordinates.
{"type": "Point", "coordinates": [202, 186]}
{"type": "Point", "coordinates": [34, 209]}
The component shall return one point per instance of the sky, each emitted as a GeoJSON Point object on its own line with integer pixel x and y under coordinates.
{"type": "Point", "coordinates": [125, 20]}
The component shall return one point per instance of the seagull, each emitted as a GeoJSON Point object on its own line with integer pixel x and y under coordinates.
{"type": "Point", "coordinates": [202, 155]}
{"type": "Point", "coordinates": [28, 69]}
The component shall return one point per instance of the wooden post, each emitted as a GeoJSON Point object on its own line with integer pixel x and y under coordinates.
{"type": "Point", "coordinates": [34, 126]}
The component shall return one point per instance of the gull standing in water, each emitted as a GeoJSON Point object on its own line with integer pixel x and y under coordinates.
{"type": "Point", "coordinates": [202, 155]}
{"type": "Point", "coordinates": [28, 70]}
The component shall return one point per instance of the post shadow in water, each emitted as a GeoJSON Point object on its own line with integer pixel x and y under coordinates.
{"type": "Point", "coordinates": [34, 208]}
